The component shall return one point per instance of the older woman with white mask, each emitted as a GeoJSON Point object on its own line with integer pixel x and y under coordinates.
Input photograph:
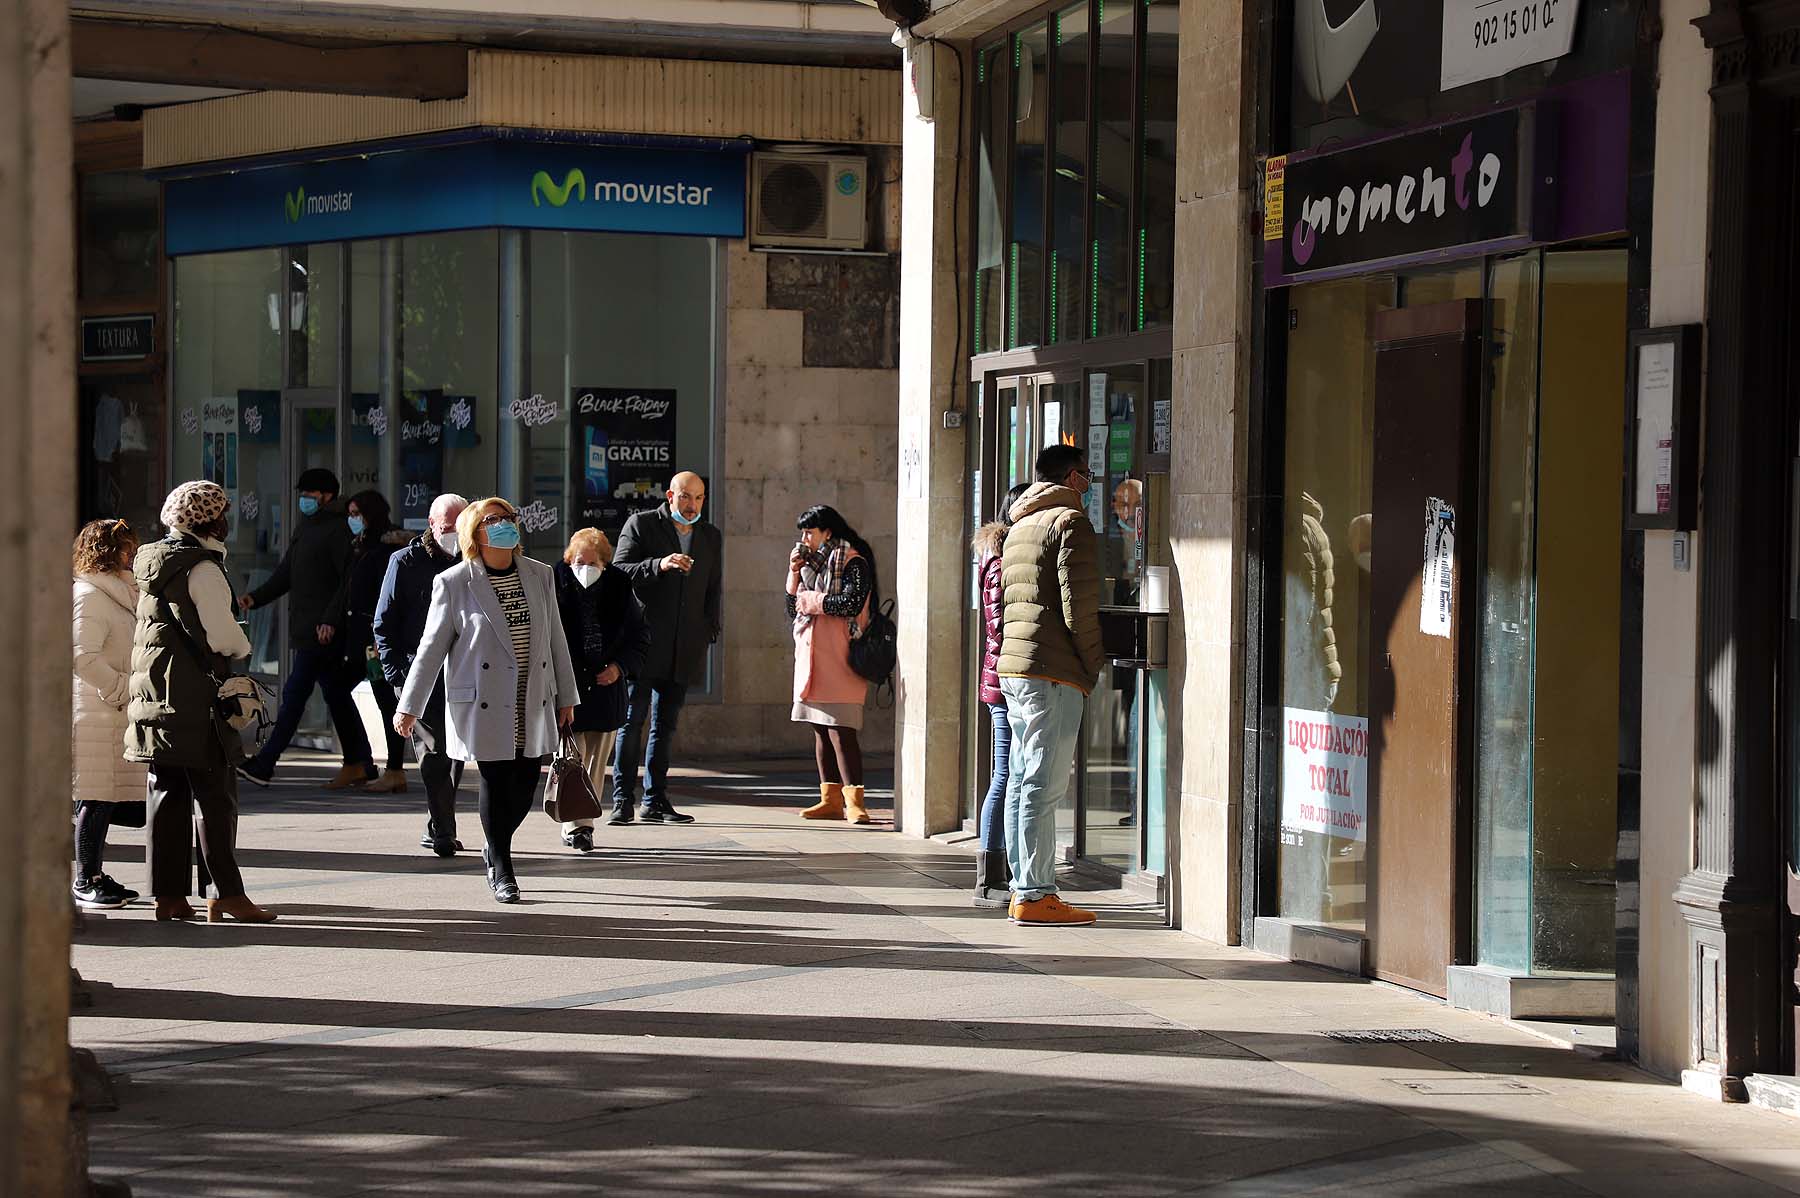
{"type": "Point", "coordinates": [509, 685]}
{"type": "Point", "coordinates": [608, 642]}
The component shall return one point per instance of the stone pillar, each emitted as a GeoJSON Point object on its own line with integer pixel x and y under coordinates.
{"type": "Point", "coordinates": [1731, 899]}
{"type": "Point", "coordinates": [37, 457]}
{"type": "Point", "coordinates": [930, 554]}
{"type": "Point", "coordinates": [1213, 238]}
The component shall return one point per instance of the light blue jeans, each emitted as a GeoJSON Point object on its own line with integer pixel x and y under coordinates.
{"type": "Point", "coordinates": [1046, 721]}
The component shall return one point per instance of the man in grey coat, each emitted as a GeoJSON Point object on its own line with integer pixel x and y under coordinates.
{"type": "Point", "coordinates": [675, 562]}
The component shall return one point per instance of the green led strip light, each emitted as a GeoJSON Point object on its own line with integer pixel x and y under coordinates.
{"type": "Point", "coordinates": [1017, 45]}
{"type": "Point", "coordinates": [1141, 275]}
{"type": "Point", "coordinates": [1012, 316]}
{"type": "Point", "coordinates": [1055, 312]}
{"type": "Point", "coordinates": [1094, 293]}
{"type": "Point", "coordinates": [978, 321]}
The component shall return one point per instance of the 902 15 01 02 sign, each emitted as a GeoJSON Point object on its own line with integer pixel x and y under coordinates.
{"type": "Point", "coordinates": [1484, 39]}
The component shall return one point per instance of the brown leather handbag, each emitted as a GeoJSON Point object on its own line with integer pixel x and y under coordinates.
{"type": "Point", "coordinates": [569, 794]}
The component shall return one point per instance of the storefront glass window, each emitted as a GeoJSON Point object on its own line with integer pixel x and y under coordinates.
{"type": "Point", "coordinates": [227, 425]}
{"type": "Point", "coordinates": [447, 350]}
{"type": "Point", "coordinates": [1156, 267]}
{"type": "Point", "coordinates": [1114, 174]}
{"type": "Point", "coordinates": [637, 385]}
{"type": "Point", "coordinates": [372, 421]}
{"type": "Point", "coordinates": [1069, 177]}
{"type": "Point", "coordinates": [314, 312]}
{"type": "Point", "coordinates": [1325, 593]}
{"type": "Point", "coordinates": [1508, 620]}
{"type": "Point", "coordinates": [1031, 121]}
{"type": "Point", "coordinates": [1084, 176]}
{"type": "Point", "coordinates": [990, 175]}
{"type": "Point", "coordinates": [1547, 776]}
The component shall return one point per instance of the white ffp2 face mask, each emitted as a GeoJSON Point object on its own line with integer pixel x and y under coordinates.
{"type": "Point", "coordinates": [587, 575]}
{"type": "Point", "coordinates": [447, 542]}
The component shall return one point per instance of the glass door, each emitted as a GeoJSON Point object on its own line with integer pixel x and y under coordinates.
{"type": "Point", "coordinates": [1112, 724]}
{"type": "Point", "coordinates": [1016, 416]}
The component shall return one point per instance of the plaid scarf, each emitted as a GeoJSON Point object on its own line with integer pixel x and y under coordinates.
{"type": "Point", "coordinates": [822, 572]}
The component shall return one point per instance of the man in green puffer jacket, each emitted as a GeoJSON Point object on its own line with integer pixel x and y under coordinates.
{"type": "Point", "coordinates": [1049, 661]}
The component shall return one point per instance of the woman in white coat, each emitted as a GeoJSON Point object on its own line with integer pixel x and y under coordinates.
{"type": "Point", "coordinates": [108, 789]}
{"type": "Point", "coordinates": [509, 685]}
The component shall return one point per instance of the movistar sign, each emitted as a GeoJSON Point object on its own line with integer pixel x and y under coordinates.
{"type": "Point", "coordinates": [545, 188]}
{"type": "Point", "coordinates": [298, 204]}
{"type": "Point", "coordinates": [488, 184]}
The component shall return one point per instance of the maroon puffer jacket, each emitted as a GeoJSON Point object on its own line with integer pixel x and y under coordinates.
{"type": "Point", "coordinates": [993, 619]}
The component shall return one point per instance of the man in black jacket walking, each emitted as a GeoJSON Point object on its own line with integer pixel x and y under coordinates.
{"type": "Point", "coordinates": [676, 564]}
{"type": "Point", "coordinates": [311, 575]}
{"type": "Point", "coordinates": [399, 624]}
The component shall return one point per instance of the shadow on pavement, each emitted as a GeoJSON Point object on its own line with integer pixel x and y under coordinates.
{"type": "Point", "coordinates": [308, 1119]}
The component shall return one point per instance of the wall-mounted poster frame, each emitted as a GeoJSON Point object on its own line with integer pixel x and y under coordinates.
{"type": "Point", "coordinates": [1662, 433]}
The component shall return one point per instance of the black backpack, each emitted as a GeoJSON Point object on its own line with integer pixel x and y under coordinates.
{"type": "Point", "coordinates": [875, 652]}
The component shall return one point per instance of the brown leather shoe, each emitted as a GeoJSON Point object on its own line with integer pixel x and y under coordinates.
{"type": "Point", "coordinates": [391, 782]}
{"type": "Point", "coordinates": [351, 775]}
{"type": "Point", "coordinates": [238, 907]}
{"type": "Point", "coordinates": [174, 908]}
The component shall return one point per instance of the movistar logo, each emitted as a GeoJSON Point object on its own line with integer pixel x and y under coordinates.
{"type": "Point", "coordinates": [543, 187]}
{"type": "Point", "coordinates": [299, 204]}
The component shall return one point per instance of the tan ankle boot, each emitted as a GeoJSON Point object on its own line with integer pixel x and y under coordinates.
{"type": "Point", "coordinates": [238, 907]}
{"type": "Point", "coordinates": [830, 804]}
{"type": "Point", "coordinates": [348, 776]}
{"type": "Point", "coordinates": [391, 782]}
{"type": "Point", "coordinates": [854, 811]}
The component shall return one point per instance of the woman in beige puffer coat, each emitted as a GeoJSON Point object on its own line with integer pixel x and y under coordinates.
{"type": "Point", "coordinates": [107, 789]}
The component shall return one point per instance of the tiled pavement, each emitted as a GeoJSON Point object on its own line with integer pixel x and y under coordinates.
{"type": "Point", "coordinates": [753, 1005]}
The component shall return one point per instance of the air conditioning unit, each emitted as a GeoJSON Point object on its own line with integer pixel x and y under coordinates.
{"type": "Point", "coordinates": [809, 201]}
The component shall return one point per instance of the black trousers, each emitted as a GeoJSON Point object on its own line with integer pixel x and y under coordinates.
{"type": "Point", "coordinates": [441, 773]}
{"type": "Point", "coordinates": [188, 803]}
{"type": "Point", "coordinates": [92, 822]}
{"type": "Point", "coordinates": [507, 790]}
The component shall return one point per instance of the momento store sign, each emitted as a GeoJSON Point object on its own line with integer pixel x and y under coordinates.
{"type": "Point", "coordinates": [1452, 190]}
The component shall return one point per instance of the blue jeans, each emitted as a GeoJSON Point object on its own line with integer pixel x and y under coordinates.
{"type": "Point", "coordinates": [659, 704]}
{"type": "Point", "coordinates": [993, 808]}
{"type": "Point", "coordinates": [321, 666]}
{"type": "Point", "coordinates": [1046, 722]}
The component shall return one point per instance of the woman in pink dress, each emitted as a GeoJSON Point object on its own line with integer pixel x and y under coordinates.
{"type": "Point", "coordinates": [831, 578]}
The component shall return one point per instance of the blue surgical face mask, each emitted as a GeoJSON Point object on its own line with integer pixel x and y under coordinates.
{"type": "Point", "coordinates": [682, 520]}
{"type": "Point", "coordinates": [309, 505]}
{"type": "Point", "coordinates": [504, 535]}
{"type": "Point", "coordinates": [358, 526]}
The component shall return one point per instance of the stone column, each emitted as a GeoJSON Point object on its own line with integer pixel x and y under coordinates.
{"type": "Point", "coordinates": [37, 457]}
{"type": "Point", "coordinates": [1731, 898]}
{"type": "Point", "coordinates": [1213, 183]}
{"type": "Point", "coordinates": [931, 539]}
